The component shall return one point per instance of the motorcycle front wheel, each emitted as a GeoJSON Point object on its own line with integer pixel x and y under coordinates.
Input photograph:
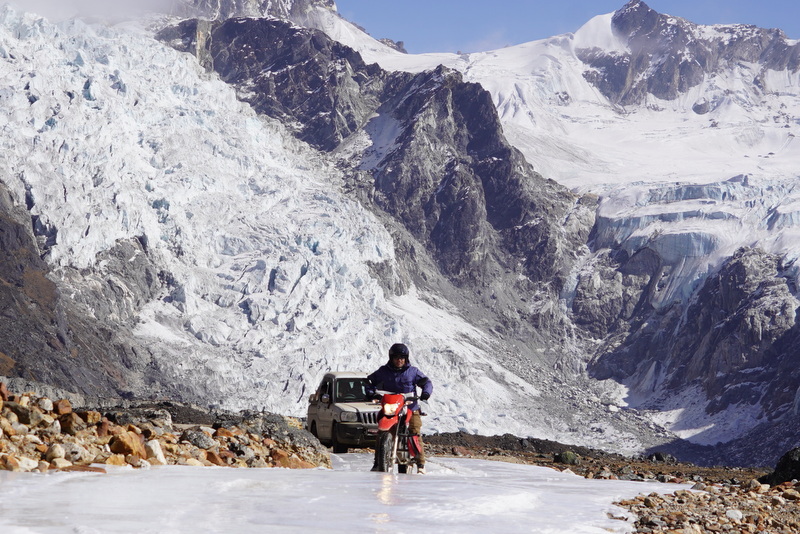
{"type": "Point", "coordinates": [385, 448]}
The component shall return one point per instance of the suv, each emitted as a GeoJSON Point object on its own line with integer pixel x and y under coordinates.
{"type": "Point", "coordinates": [340, 414]}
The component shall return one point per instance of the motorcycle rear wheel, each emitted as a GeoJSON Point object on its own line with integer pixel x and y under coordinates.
{"type": "Point", "coordinates": [385, 448]}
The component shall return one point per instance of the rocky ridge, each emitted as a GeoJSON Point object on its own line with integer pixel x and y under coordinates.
{"type": "Point", "coordinates": [670, 55]}
{"type": "Point", "coordinates": [39, 434]}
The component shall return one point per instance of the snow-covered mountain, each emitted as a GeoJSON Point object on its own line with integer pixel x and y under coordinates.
{"type": "Point", "coordinates": [687, 135]}
{"type": "Point", "coordinates": [588, 238]}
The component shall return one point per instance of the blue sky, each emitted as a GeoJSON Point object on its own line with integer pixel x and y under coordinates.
{"type": "Point", "coordinates": [469, 26]}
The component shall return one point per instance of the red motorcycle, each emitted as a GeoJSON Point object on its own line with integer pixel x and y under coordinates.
{"type": "Point", "coordinates": [394, 444]}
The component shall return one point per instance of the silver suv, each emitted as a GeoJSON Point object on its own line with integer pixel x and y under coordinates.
{"type": "Point", "coordinates": [340, 414]}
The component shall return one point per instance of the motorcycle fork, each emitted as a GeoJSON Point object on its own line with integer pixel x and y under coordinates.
{"type": "Point", "coordinates": [401, 443]}
{"type": "Point", "coordinates": [395, 445]}
{"type": "Point", "coordinates": [400, 454]}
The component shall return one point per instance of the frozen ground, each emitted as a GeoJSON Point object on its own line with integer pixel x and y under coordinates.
{"type": "Point", "coordinates": [457, 495]}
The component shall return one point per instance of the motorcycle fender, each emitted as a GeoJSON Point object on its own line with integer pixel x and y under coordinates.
{"type": "Point", "coordinates": [414, 446]}
{"type": "Point", "coordinates": [386, 423]}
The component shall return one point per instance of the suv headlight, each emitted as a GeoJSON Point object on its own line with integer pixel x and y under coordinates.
{"type": "Point", "coordinates": [349, 417]}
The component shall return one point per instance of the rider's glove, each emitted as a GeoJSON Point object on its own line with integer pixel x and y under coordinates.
{"type": "Point", "coordinates": [425, 396]}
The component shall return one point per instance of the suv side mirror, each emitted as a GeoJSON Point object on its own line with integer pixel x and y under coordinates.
{"type": "Point", "coordinates": [326, 398]}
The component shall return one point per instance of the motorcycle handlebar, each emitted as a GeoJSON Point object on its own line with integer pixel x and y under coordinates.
{"type": "Point", "coordinates": [410, 398]}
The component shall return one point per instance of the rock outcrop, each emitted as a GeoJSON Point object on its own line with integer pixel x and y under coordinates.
{"type": "Point", "coordinates": [42, 331]}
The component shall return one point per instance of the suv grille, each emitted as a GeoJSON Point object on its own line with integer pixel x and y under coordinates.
{"type": "Point", "coordinates": [370, 418]}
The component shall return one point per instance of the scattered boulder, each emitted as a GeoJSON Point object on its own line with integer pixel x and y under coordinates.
{"type": "Point", "coordinates": [71, 423]}
{"type": "Point", "coordinates": [567, 457]}
{"type": "Point", "coordinates": [126, 443]}
{"type": "Point", "coordinates": [56, 450]}
{"type": "Point", "coordinates": [62, 406]}
{"type": "Point", "coordinates": [155, 455]}
{"type": "Point", "coordinates": [788, 469]}
{"type": "Point", "coordinates": [662, 458]}
{"type": "Point", "coordinates": [199, 439]}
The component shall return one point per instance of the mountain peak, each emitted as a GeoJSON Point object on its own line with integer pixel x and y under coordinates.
{"type": "Point", "coordinates": [225, 9]}
{"type": "Point", "coordinates": [636, 19]}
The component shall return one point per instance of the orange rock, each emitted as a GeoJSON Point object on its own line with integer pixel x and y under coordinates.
{"type": "Point", "coordinates": [71, 423]}
{"type": "Point", "coordinates": [3, 392]}
{"type": "Point", "coordinates": [127, 443]}
{"type": "Point", "coordinates": [91, 417]}
{"type": "Point", "coordinates": [103, 428]}
{"type": "Point", "coordinates": [222, 432]}
{"type": "Point", "coordinates": [115, 430]}
{"type": "Point", "coordinates": [116, 459]}
{"type": "Point", "coordinates": [6, 427]}
{"type": "Point", "coordinates": [9, 463]}
{"type": "Point", "coordinates": [62, 407]}
{"type": "Point", "coordinates": [283, 459]}
{"type": "Point", "coordinates": [215, 458]}
{"type": "Point", "coordinates": [86, 468]}
{"type": "Point", "coordinates": [280, 457]}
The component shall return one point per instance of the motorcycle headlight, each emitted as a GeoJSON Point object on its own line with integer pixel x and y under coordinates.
{"type": "Point", "coordinates": [391, 409]}
{"type": "Point", "coordinates": [349, 417]}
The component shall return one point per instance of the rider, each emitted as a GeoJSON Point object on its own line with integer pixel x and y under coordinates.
{"type": "Point", "coordinates": [399, 376]}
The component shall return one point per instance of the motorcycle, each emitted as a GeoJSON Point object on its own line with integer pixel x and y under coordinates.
{"type": "Point", "coordinates": [394, 444]}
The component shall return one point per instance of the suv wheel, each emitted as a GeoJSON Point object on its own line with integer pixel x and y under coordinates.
{"type": "Point", "coordinates": [338, 448]}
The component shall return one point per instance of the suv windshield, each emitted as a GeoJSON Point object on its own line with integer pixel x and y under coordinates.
{"type": "Point", "coordinates": [351, 390]}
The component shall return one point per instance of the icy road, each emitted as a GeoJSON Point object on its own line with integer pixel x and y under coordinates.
{"type": "Point", "coordinates": [457, 495]}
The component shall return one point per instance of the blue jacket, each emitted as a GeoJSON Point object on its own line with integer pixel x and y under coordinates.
{"type": "Point", "coordinates": [404, 380]}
